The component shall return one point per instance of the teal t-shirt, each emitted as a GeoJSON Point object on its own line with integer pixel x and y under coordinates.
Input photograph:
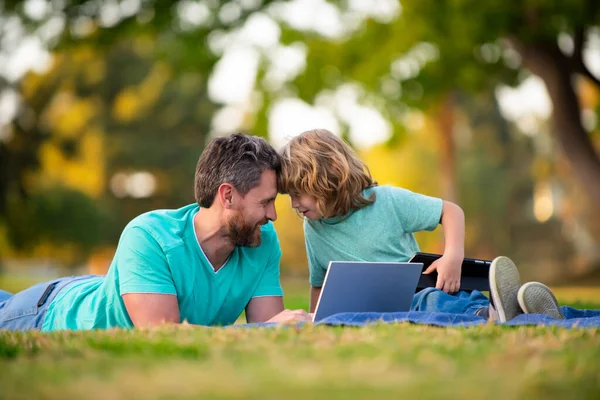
{"type": "Point", "coordinates": [382, 231]}
{"type": "Point", "coordinates": [158, 253]}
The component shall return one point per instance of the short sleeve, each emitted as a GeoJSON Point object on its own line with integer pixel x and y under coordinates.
{"type": "Point", "coordinates": [142, 265]}
{"type": "Point", "coordinates": [270, 284]}
{"type": "Point", "coordinates": [416, 212]}
{"type": "Point", "coordinates": [315, 269]}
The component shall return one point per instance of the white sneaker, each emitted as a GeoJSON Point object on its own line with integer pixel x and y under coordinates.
{"type": "Point", "coordinates": [537, 298]}
{"type": "Point", "coordinates": [504, 285]}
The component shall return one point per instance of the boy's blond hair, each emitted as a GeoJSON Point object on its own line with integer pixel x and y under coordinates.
{"type": "Point", "coordinates": [320, 164]}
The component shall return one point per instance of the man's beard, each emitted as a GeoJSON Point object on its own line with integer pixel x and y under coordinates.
{"type": "Point", "coordinates": [241, 233]}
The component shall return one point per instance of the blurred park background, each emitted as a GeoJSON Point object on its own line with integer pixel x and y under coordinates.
{"type": "Point", "coordinates": [105, 107]}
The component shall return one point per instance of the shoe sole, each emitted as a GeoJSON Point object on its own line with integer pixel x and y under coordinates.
{"type": "Point", "coordinates": [537, 298]}
{"type": "Point", "coordinates": [504, 285]}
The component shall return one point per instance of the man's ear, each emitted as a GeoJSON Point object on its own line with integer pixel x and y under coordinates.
{"type": "Point", "coordinates": [225, 195]}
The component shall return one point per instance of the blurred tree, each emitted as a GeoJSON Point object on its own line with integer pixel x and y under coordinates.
{"type": "Point", "coordinates": [130, 71]}
{"type": "Point", "coordinates": [59, 217]}
{"type": "Point", "coordinates": [128, 88]}
{"type": "Point", "coordinates": [427, 54]}
{"type": "Point", "coordinates": [291, 238]}
{"type": "Point", "coordinates": [123, 112]}
{"type": "Point", "coordinates": [436, 48]}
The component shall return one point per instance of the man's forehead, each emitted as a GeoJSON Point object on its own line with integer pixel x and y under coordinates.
{"type": "Point", "coordinates": [267, 187]}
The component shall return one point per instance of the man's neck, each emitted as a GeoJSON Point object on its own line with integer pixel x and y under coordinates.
{"type": "Point", "coordinates": [211, 237]}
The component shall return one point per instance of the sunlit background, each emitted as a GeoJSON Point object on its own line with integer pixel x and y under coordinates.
{"type": "Point", "coordinates": [105, 107]}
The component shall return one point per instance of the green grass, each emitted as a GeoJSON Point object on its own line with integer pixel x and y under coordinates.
{"type": "Point", "coordinates": [380, 361]}
{"type": "Point", "coordinates": [384, 361]}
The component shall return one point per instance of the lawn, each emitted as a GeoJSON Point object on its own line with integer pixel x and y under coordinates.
{"type": "Point", "coordinates": [381, 361]}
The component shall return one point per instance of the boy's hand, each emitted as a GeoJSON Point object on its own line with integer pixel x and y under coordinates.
{"type": "Point", "coordinates": [448, 269]}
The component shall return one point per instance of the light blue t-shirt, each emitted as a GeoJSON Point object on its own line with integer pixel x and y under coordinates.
{"type": "Point", "coordinates": [382, 231]}
{"type": "Point", "coordinates": [158, 253]}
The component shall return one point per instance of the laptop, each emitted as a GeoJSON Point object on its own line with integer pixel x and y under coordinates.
{"type": "Point", "coordinates": [367, 287]}
{"type": "Point", "coordinates": [474, 272]}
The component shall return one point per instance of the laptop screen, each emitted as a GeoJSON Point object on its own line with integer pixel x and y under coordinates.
{"type": "Point", "coordinates": [367, 287]}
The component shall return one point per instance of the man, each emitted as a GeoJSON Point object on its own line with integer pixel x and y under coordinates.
{"type": "Point", "coordinates": [203, 264]}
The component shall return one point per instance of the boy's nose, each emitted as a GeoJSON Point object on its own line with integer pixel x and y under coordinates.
{"type": "Point", "coordinates": [294, 202]}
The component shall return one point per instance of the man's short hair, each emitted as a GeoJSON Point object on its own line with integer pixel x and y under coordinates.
{"type": "Point", "coordinates": [236, 159]}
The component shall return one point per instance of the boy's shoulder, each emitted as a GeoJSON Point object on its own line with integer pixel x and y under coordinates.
{"type": "Point", "coordinates": [393, 197]}
{"type": "Point", "coordinates": [390, 191]}
{"type": "Point", "coordinates": [387, 192]}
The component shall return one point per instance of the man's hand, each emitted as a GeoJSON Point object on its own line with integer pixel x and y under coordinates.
{"type": "Point", "coordinates": [291, 316]}
{"type": "Point", "coordinates": [448, 269]}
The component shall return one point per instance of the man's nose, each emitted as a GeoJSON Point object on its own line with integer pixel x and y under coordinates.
{"type": "Point", "coordinates": [271, 212]}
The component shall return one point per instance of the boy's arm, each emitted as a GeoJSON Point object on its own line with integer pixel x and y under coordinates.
{"type": "Point", "coordinates": [315, 292]}
{"type": "Point", "coordinates": [316, 275]}
{"type": "Point", "coordinates": [449, 265]}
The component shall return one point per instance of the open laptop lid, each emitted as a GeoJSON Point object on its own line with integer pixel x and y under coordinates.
{"type": "Point", "coordinates": [367, 287]}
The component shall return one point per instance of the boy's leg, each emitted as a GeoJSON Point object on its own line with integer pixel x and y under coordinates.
{"type": "Point", "coordinates": [537, 298]}
{"type": "Point", "coordinates": [504, 285]}
{"type": "Point", "coordinates": [435, 300]}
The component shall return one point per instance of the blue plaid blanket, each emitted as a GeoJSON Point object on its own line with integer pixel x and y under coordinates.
{"type": "Point", "coordinates": [574, 319]}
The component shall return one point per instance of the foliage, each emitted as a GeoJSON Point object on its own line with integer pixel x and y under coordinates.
{"type": "Point", "coordinates": [128, 92]}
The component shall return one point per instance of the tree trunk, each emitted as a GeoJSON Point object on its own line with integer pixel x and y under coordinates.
{"type": "Point", "coordinates": [554, 69]}
{"type": "Point", "coordinates": [448, 149]}
{"type": "Point", "coordinates": [558, 73]}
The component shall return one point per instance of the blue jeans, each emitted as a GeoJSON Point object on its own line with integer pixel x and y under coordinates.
{"type": "Point", "coordinates": [26, 310]}
{"type": "Point", "coordinates": [435, 300]}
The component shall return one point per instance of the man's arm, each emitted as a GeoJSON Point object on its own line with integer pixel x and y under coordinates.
{"type": "Point", "coordinates": [145, 280]}
{"type": "Point", "coordinates": [262, 309]}
{"type": "Point", "coordinates": [315, 292]}
{"type": "Point", "coordinates": [270, 309]}
{"type": "Point", "coordinates": [151, 309]}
